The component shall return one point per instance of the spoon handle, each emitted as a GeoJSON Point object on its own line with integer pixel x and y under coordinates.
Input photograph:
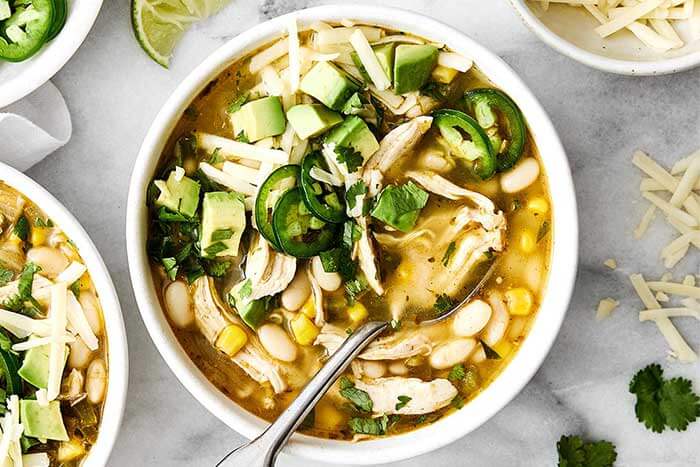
{"type": "Point", "coordinates": [263, 450]}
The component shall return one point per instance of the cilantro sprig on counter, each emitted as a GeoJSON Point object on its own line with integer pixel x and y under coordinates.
{"type": "Point", "coordinates": [574, 452]}
{"type": "Point", "coordinates": [663, 402]}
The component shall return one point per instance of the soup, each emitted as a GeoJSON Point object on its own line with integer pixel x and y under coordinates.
{"type": "Point", "coordinates": [53, 349]}
{"type": "Point", "coordinates": [344, 174]}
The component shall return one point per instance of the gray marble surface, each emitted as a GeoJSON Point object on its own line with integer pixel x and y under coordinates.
{"type": "Point", "coordinates": [114, 90]}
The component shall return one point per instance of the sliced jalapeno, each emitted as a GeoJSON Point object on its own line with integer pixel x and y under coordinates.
{"type": "Point", "coordinates": [280, 181]}
{"type": "Point", "coordinates": [298, 232]}
{"type": "Point", "coordinates": [503, 121]}
{"type": "Point", "coordinates": [477, 149]}
{"type": "Point", "coordinates": [322, 199]}
{"type": "Point", "coordinates": [26, 30]}
{"type": "Point", "coordinates": [59, 18]}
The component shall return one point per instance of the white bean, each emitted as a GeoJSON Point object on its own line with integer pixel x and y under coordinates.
{"type": "Point", "coordinates": [179, 304]}
{"type": "Point", "coordinates": [479, 354]}
{"type": "Point", "coordinates": [75, 382]}
{"type": "Point", "coordinates": [79, 355]}
{"type": "Point", "coordinates": [453, 352]}
{"type": "Point", "coordinates": [277, 342]}
{"type": "Point", "coordinates": [496, 328]}
{"type": "Point", "coordinates": [51, 260]}
{"type": "Point", "coordinates": [96, 381]}
{"type": "Point", "coordinates": [373, 369]}
{"type": "Point", "coordinates": [471, 318]}
{"type": "Point", "coordinates": [297, 292]}
{"type": "Point", "coordinates": [91, 308]}
{"type": "Point", "coordinates": [435, 161]}
{"type": "Point", "coordinates": [329, 281]}
{"type": "Point", "coordinates": [521, 176]}
{"type": "Point", "coordinates": [398, 368]}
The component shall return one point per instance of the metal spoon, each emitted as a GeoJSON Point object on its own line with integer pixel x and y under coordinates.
{"type": "Point", "coordinates": [263, 450]}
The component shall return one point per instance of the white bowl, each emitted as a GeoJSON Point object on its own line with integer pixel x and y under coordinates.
{"type": "Point", "coordinates": [19, 79]}
{"type": "Point", "coordinates": [570, 31]}
{"type": "Point", "coordinates": [117, 361]}
{"type": "Point", "coordinates": [547, 322]}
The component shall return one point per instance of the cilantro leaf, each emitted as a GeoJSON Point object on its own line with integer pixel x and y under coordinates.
{"type": "Point", "coordinates": [218, 268]}
{"type": "Point", "coordinates": [351, 234]}
{"type": "Point", "coordinates": [457, 402]}
{"type": "Point", "coordinates": [21, 228]}
{"type": "Point", "coordinates": [399, 206]}
{"type": "Point", "coordinates": [358, 397]}
{"type": "Point", "coordinates": [443, 303]}
{"type": "Point", "coordinates": [215, 157]}
{"type": "Point", "coordinates": [457, 373]}
{"type": "Point", "coordinates": [403, 400]}
{"type": "Point", "coordinates": [236, 104]}
{"type": "Point", "coordinates": [369, 426]}
{"type": "Point", "coordinates": [339, 260]}
{"type": "Point", "coordinates": [574, 452]}
{"type": "Point", "coordinates": [5, 276]}
{"type": "Point", "coordinates": [678, 403]}
{"type": "Point", "coordinates": [352, 159]}
{"type": "Point", "coordinates": [448, 253]}
{"type": "Point", "coordinates": [664, 403]}
{"type": "Point", "coordinates": [359, 188]}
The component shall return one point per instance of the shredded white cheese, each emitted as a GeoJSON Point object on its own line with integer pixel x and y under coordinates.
{"type": "Point", "coordinates": [649, 315]}
{"type": "Point", "coordinates": [455, 61]}
{"type": "Point", "coordinates": [369, 60]}
{"type": "Point", "coordinates": [605, 308]}
{"type": "Point", "coordinates": [72, 273]}
{"type": "Point", "coordinates": [22, 326]}
{"type": "Point", "coordinates": [342, 35]}
{"type": "Point", "coordinates": [79, 322]}
{"type": "Point", "coordinates": [241, 172]}
{"type": "Point", "coordinates": [231, 149]}
{"type": "Point", "coordinates": [226, 179]}
{"type": "Point", "coordinates": [610, 263]}
{"type": "Point", "coordinates": [40, 341]}
{"type": "Point", "coordinates": [269, 55]}
{"type": "Point", "coordinates": [58, 320]}
{"type": "Point", "coordinates": [294, 55]}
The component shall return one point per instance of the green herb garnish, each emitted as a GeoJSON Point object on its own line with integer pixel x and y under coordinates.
{"type": "Point", "coordinates": [443, 303]}
{"type": "Point", "coordinates": [403, 400]}
{"type": "Point", "coordinates": [448, 253]}
{"type": "Point", "coordinates": [236, 104]}
{"type": "Point", "coordinates": [369, 426]}
{"type": "Point", "coordinates": [457, 373]}
{"type": "Point", "coordinates": [352, 159]}
{"type": "Point", "coordinates": [574, 452]}
{"type": "Point", "coordinates": [21, 228]}
{"type": "Point", "coordinates": [356, 189]}
{"type": "Point", "coordinates": [357, 397]}
{"type": "Point", "coordinates": [400, 206]}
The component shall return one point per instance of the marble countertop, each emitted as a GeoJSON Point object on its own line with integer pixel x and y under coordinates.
{"type": "Point", "coordinates": [114, 90]}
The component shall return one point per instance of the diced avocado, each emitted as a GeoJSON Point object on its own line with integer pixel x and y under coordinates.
{"type": "Point", "coordinates": [355, 133]}
{"type": "Point", "coordinates": [309, 120]}
{"type": "Point", "coordinates": [385, 56]}
{"type": "Point", "coordinates": [353, 105]}
{"type": "Point", "coordinates": [35, 366]}
{"type": "Point", "coordinates": [223, 222]}
{"type": "Point", "coordinates": [412, 66]}
{"type": "Point", "coordinates": [259, 119]}
{"type": "Point", "coordinates": [179, 195]}
{"type": "Point", "coordinates": [5, 11]}
{"type": "Point", "coordinates": [43, 422]}
{"type": "Point", "coordinates": [329, 85]}
{"type": "Point", "coordinates": [252, 312]}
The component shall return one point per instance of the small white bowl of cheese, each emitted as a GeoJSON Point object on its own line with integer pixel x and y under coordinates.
{"type": "Point", "coordinates": [630, 37]}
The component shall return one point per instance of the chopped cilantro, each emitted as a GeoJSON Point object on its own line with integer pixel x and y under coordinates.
{"type": "Point", "coordinates": [221, 234]}
{"type": "Point", "coordinates": [246, 289]}
{"type": "Point", "coordinates": [21, 228]}
{"type": "Point", "coordinates": [5, 276]}
{"type": "Point", "coordinates": [214, 249]}
{"type": "Point", "coordinates": [448, 253]}
{"type": "Point", "coordinates": [369, 426]}
{"type": "Point", "coordinates": [351, 233]}
{"type": "Point", "coordinates": [357, 189]}
{"type": "Point", "coordinates": [215, 157]}
{"type": "Point", "coordinates": [170, 265]}
{"type": "Point", "coordinates": [75, 288]}
{"type": "Point", "coordinates": [399, 206]}
{"type": "Point", "coordinates": [457, 373]}
{"type": "Point", "coordinates": [218, 268]}
{"type": "Point", "coordinates": [236, 104]}
{"type": "Point", "coordinates": [339, 260]}
{"type": "Point", "coordinates": [443, 303]}
{"type": "Point", "coordinates": [403, 400]}
{"type": "Point", "coordinates": [352, 159]}
{"type": "Point", "coordinates": [457, 402]}
{"type": "Point", "coordinates": [241, 137]}
{"type": "Point", "coordinates": [39, 222]}
{"type": "Point", "coordinates": [358, 397]}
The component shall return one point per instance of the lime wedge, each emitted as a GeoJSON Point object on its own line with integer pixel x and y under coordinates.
{"type": "Point", "coordinates": [159, 24]}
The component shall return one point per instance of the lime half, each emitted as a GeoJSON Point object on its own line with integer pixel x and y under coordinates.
{"type": "Point", "coordinates": [159, 24]}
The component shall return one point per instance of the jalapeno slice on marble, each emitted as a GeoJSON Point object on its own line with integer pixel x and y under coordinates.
{"type": "Point", "coordinates": [454, 126]}
{"type": "Point", "coordinates": [298, 231]}
{"type": "Point", "coordinates": [275, 185]}
{"type": "Point", "coordinates": [26, 30]}
{"type": "Point", "coordinates": [323, 199]}
{"type": "Point", "coordinates": [503, 122]}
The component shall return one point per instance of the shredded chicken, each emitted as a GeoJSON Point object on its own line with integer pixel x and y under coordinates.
{"type": "Point", "coordinates": [367, 257]}
{"type": "Point", "coordinates": [317, 293]}
{"type": "Point", "coordinates": [397, 346]}
{"type": "Point", "coordinates": [425, 396]}
{"type": "Point", "coordinates": [269, 272]}
{"type": "Point", "coordinates": [211, 319]}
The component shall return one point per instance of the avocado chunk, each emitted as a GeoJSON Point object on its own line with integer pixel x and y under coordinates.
{"type": "Point", "coordinates": [412, 66]}
{"type": "Point", "coordinates": [353, 105]}
{"type": "Point", "coordinates": [330, 85]}
{"type": "Point", "coordinates": [178, 195]}
{"type": "Point", "coordinates": [309, 120]}
{"type": "Point", "coordinates": [35, 366]}
{"type": "Point", "coordinates": [223, 222]}
{"type": "Point", "coordinates": [354, 133]}
{"type": "Point", "coordinates": [252, 312]}
{"type": "Point", "coordinates": [385, 56]}
{"type": "Point", "coordinates": [43, 422]}
{"type": "Point", "coordinates": [259, 119]}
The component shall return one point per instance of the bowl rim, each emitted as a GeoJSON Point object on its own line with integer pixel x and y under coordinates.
{"type": "Point", "coordinates": [117, 351]}
{"type": "Point", "coordinates": [53, 55]}
{"type": "Point", "coordinates": [534, 349]}
{"type": "Point", "coordinates": [612, 65]}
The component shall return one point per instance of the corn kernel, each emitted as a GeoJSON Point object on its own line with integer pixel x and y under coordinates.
{"type": "Point", "coordinates": [70, 450]}
{"type": "Point", "coordinates": [357, 312]}
{"type": "Point", "coordinates": [231, 340]}
{"type": "Point", "coordinates": [527, 242]}
{"type": "Point", "coordinates": [84, 283]}
{"type": "Point", "coordinates": [327, 416]}
{"type": "Point", "coordinates": [39, 235]}
{"type": "Point", "coordinates": [445, 75]}
{"type": "Point", "coordinates": [308, 307]}
{"type": "Point", "coordinates": [304, 330]}
{"type": "Point", "coordinates": [15, 239]}
{"type": "Point", "coordinates": [404, 269]}
{"type": "Point", "coordinates": [519, 301]}
{"type": "Point", "coordinates": [538, 205]}
{"type": "Point", "coordinates": [503, 348]}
